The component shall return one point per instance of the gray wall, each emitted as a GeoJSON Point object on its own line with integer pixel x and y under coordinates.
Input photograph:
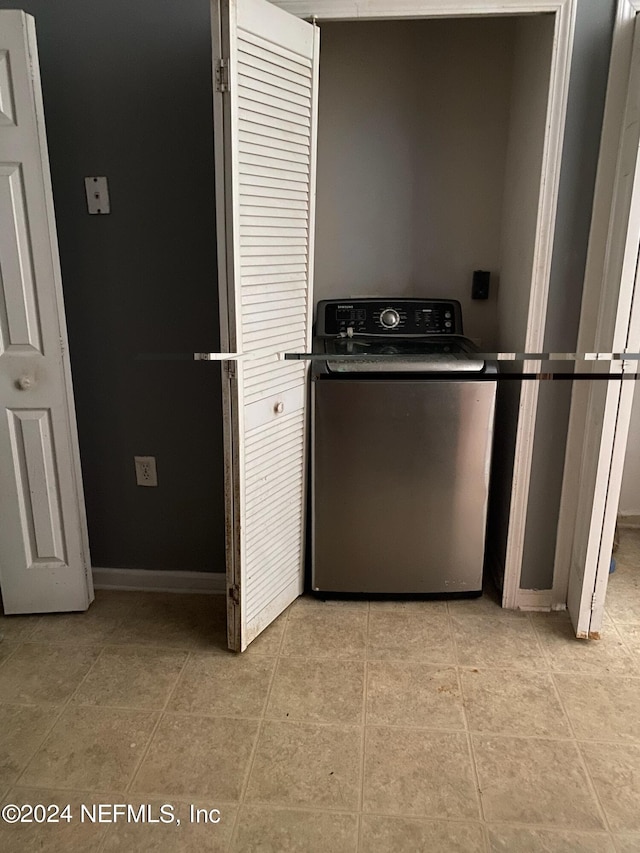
{"type": "Point", "coordinates": [396, 189]}
{"type": "Point", "coordinates": [590, 64]}
{"type": "Point", "coordinates": [127, 94]}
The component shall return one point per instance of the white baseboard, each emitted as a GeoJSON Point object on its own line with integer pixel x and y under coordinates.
{"type": "Point", "coordinates": [628, 520]}
{"type": "Point", "coordinates": [534, 599]}
{"type": "Point", "coordinates": [150, 580]}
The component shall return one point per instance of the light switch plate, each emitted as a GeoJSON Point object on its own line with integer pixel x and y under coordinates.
{"type": "Point", "coordinates": [97, 195]}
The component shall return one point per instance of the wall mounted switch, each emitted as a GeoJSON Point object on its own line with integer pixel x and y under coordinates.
{"type": "Point", "coordinates": [480, 285]}
{"type": "Point", "coordinates": [146, 474]}
{"type": "Point", "coordinates": [97, 195]}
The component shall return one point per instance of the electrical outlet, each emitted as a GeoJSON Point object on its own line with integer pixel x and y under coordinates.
{"type": "Point", "coordinates": [146, 474]}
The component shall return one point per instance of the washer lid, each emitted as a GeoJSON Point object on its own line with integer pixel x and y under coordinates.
{"type": "Point", "coordinates": [446, 354]}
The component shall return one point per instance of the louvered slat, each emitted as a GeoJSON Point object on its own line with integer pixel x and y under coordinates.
{"type": "Point", "coordinates": [288, 283]}
{"type": "Point", "coordinates": [269, 241]}
{"type": "Point", "coordinates": [258, 177]}
{"type": "Point", "coordinates": [267, 261]}
{"type": "Point", "coordinates": [286, 575]}
{"type": "Point", "coordinates": [294, 84]}
{"type": "Point", "coordinates": [270, 555]}
{"type": "Point", "coordinates": [278, 492]}
{"type": "Point", "coordinates": [294, 375]}
{"type": "Point", "coordinates": [283, 492]}
{"type": "Point", "coordinates": [270, 162]}
{"type": "Point", "coordinates": [274, 251]}
{"type": "Point", "coordinates": [267, 470]}
{"type": "Point", "coordinates": [283, 374]}
{"type": "Point", "coordinates": [278, 54]}
{"type": "Point", "coordinates": [273, 301]}
{"type": "Point", "coordinates": [278, 371]}
{"type": "Point", "coordinates": [275, 231]}
{"type": "Point", "coordinates": [285, 531]}
{"type": "Point", "coordinates": [268, 318]}
{"type": "Point", "coordinates": [273, 116]}
{"type": "Point", "coordinates": [254, 113]}
{"type": "Point", "coordinates": [267, 522]}
{"type": "Point", "coordinates": [281, 149]}
{"type": "Point", "coordinates": [255, 191]}
{"type": "Point", "coordinates": [295, 333]}
{"type": "Point", "coordinates": [246, 147]}
{"type": "Point", "coordinates": [273, 274]}
{"type": "Point", "coordinates": [263, 55]}
{"type": "Point", "coordinates": [263, 128]}
{"type": "Point", "coordinates": [267, 347]}
{"type": "Point", "coordinates": [264, 453]}
{"type": "Point", "coordinates": [281, 108]}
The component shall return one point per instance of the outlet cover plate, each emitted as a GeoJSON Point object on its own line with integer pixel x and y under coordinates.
{"type": "Point", "coordinates": [97, 191]}
{"type": "Point", "coordinates": [146, 473]}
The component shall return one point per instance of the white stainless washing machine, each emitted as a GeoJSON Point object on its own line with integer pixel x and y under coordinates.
{"type": "Point", "coordinates": [402, 428]}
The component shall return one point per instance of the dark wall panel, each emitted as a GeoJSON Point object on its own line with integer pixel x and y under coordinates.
{"type": "Point", "coordinates": [127, 94]}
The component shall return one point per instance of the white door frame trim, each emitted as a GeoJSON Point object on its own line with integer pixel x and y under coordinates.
{"type": "Point", "coordinates": [564, 11]}
{"type": "Point", "coordinates": [604, 256]}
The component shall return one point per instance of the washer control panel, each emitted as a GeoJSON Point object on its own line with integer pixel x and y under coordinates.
{"type": "Point", "coordinates": [373, 316]}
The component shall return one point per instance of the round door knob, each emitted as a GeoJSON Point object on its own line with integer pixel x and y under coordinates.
{"type": "Point", "coordinates": [278, 408]}
{"type": "Point", "coordinates": [389, 318]}
{"type": "Point", "coordinates": [24, 383]}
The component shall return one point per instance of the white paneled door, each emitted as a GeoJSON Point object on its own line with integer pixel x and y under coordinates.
{"type": "Point", "coordinates": [44, 559]}
{"type": "Point", "coordinates": [266, 64]}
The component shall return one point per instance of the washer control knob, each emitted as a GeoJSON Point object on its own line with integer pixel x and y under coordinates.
{"type": "Point", "coordinates": [389, 318]}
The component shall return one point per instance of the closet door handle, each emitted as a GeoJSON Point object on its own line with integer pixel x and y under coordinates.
{"type": "Point", "coordinates": [25, 383]}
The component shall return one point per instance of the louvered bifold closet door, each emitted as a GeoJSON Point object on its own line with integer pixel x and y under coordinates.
{"type": "Point", "coordinates": [271, 127]}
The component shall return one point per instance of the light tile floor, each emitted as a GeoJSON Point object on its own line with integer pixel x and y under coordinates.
{"type": "Point", "coordinates": [346, 727]}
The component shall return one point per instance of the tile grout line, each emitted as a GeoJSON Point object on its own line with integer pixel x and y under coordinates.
{"type": "Point", "coordinates": [363, 734]}
{"type": "Point", "coordinates": [30, 632]}
{"type": "Point", "coordinates": [160, 712]}
{"type": "Point", "coordinates": [543, 652]}
{"type": "Point", "coordinates": [62, 708]}
{"type": "Point", "coordinates": [633, 656]}
{"type": "Point", "coordinates": [19, 645]}
{"type": "Point", "coordinates": [29, 638]}
{"type": "Point", "coordinates": [433, 662]}
{"type": "Point", "coordinates": [585, 768]}
{"type": "Point", "coordinates": [254, 750]}
{"type": "Point", "coordinates": [469, 739]}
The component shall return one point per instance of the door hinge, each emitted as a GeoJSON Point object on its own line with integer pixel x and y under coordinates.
{"type": "Point", "coordinates": [234, 593]}
{"type": "Point", "coordinates": [222, 75]}
{"type": "Point", "coordinates": [594, 601]}
{"type": "Point", "coordinates": [230, 368]}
